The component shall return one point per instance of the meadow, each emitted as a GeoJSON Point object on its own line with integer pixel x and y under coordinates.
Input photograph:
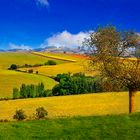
{"type": "Point", "coordinates": [21, 58]}
{"type": "Point", "coordinates": [69, 106]}
{"type": "Point", "coordinates": [121, 127]}
{"type": "Point", "coordinates": [12, 79]}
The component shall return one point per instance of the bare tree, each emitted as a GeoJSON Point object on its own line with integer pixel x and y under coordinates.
{"type": "Point", "coordinates": [111, 56]}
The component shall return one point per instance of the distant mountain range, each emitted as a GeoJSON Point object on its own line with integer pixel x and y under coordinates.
{"type": "Point", "coordinates": [49, 49]}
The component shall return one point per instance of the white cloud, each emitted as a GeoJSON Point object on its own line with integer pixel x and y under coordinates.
{"type": "Point", "coordinates": [43, 2]}
{"type": "Point", "coordinates": [66, 39]}
{"type": "Point", "coordinates": [22, 46]}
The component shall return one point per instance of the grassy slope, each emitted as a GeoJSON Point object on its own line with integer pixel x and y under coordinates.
{"type": "Point", "coordinates": [83, 105]}
{"type": "Point", "coordinates": [121, 127]}
{"type": "Point", "coordinates": [12, 79]}
{"type": "Point", "coordinates": [80, 65]}
{"type": "Point", "coordinates": [21, 58]}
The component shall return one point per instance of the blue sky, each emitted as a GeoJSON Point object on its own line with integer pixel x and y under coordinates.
{"type": "Point", "coordinates": [37, 23]}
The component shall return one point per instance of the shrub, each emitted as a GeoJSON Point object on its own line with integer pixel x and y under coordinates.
{"type": "Point", "coordinates": [30, 71]}
{"type": "Point", "coordinates": [41, 113]}
{"type": "Point", "coordinates": [50, 62]}
{"type": "Point", "coordinates": [13, 67]}
{"type": "Point", "coordinates": [19, 115]}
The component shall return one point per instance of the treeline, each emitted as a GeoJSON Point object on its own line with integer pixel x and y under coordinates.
{"type": "Point", "coordinates": [68, 85]}
{"type": "Point", "coordinates": [75, 84]}
{"type": "Point", "coordinates": [30, 91]}
{"type": "Point", "coordinates": [49, 62]}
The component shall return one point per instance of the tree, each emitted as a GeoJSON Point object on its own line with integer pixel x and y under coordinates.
{"type": "Point", "coordinates": [16, 93]}
{"type": "Point", "coordinates": [13, 67]}
{"type": "Point", "coordinates": [110, 54]}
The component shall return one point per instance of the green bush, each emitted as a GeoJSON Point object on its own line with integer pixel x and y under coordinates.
{"type": "Point", "coordinates": [41, 113]}
{"type": "Point", "coordinates": [19, 115]}
{"type": "Point", "coordinates": [50, 62]}
{"type": "Point", "coordinates": [13, 67]}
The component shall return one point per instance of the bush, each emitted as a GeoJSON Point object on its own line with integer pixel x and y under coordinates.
{"type": "Point", "coordinates": [41, 113]}
{"type": "Point", "coordinates": [50, 62]}
{"type": "Point", "coordinates": [19, 115]}
{"type": "Point", "coordinates": [13, 67]}
{"type": "Point", "coordinates": [30, 71]}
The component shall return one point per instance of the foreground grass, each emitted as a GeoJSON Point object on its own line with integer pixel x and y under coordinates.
{"type": "Point", "coordinates": [121, 127]}
{"type": "Point", "coordinates": [77, 105]}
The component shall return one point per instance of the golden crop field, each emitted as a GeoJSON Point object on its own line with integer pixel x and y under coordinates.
{"type": "Point", "coordinates": [13, 79]}
{"type": "Point", "coordinates": [53, 56]}
{"type": "Point", "coordinates": [76, 105]}
{"type": "Point", "coordinates": [78, 65]}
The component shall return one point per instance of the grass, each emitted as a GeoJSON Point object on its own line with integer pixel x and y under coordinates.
{"type": "Point", "coordinates": [77, 105]}
{"type": "Point", "coordinates": [122, 127]}
{"type": "Point", "coordinates": [21, 58]}
{"type": "Point", "coordinates": [12, 79]}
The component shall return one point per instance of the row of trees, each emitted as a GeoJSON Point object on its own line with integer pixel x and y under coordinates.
{"type": "Point", "coordinates": [30, 91]}
{"type": "Point", "coordinates": [68, 85]}
{"type": "Point", "coordinates": [14, 66]}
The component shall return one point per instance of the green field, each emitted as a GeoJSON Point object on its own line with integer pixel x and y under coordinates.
{"type": "Point", "coordinates": [21, 58]}
{"type": "Point", "coordinates": [121, 127]}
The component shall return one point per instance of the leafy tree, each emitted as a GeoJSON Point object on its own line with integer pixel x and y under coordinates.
{"type": "Point", "coordinates": [50, 62]}
{"type": "Point", "coordinates": [16, 94]}
{"type": "Point", "coordinates": [108, 51]}
{"type": "Point", "coordinates": [13, 67]}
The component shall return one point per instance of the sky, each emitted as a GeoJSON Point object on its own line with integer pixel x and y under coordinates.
{"type": "Point", "coordinates": [40, 23]}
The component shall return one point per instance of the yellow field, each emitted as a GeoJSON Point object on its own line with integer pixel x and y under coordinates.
{"type": "Point", "coordinates": [13, 79]}
{"type": "Point", "coordinates": [78, 65]}
{"type": "Point", "coordinates": [81, 105]}
{"type": "Point", "coordinates": [53, 56]}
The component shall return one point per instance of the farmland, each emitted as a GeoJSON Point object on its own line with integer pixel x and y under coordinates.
{"type": "Point", "coordinates": [73, 64]}
{"type": "Point", "coordinates": [13, 79]}
{"type": "Point", "coordinates": [21, 58]}
{"type": "Point", "coordinates": [68, 106]}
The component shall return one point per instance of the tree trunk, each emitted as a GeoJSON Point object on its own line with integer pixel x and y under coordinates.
{"type": "Point", "coordinates": [131, 101]}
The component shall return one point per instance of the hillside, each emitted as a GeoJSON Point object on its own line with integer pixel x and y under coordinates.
{"type": "Point", "coordinates": [13, 79]}
{"type": "Point", "coordinates": [77, 105]}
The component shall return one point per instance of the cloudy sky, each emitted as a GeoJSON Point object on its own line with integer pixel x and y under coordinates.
{"type": "Point", "coordinates": [38, 23]}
